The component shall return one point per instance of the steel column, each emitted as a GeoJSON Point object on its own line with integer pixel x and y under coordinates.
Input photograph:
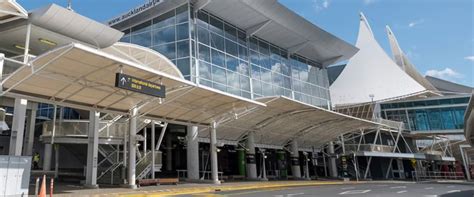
{"type": "Point", "coordinates": [31, 132]}
{"type": "Point", "coordinates": [295, 160]}
{"type": "Point", "coordinates": [192, 153]}
{"type": "Point", "coordinates": [332, 161]}
{"type": "Point", "coordinates": [48, 149]}
{"type": "Point", "coordinates": [250, 157]}
{"type": "Point", "coordinates": [153, 149]}
{"type": "Point", "coordinates": [92, 149]}
{"type": "Point", "coordinates": [213, 152]}
{"type": "Point", "coordinates": [132, 148]}
{"type": "Point", "coordinates": [18, 127]}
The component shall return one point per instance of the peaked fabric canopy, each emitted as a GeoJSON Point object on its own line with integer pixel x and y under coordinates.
{"type": "Point", "coordinates": [79, 76]}
{"type": "Point", "coordinates": [402, 60]}
{"type": "Point", "coordinates": [371, 74]}
{"type": "Point", "coordinates": [10, 10]}
{"type": "Point", "coordinates": [284, 119]}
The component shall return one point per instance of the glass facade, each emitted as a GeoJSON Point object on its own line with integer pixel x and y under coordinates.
{"type": "Point", "coordinates": [215, 53]}
{"type": "Point", "coordinates": [168, 34]}
{"type": "Point", "coordinates": [428, 115]}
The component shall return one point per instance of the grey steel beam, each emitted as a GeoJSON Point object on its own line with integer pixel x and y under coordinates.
{"type": "Point", "coordinates": [213, 152]}
{"type": "Point", "coordinates": [132, 148]}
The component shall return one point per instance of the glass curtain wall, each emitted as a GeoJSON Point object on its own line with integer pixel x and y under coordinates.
{"type": "Point", "coordinates": [428, 115]}
{"type": "Point", "coordinates": [228, 60]}
{"type": "Point", "coordinates": [251, 67]}
{"type": "Point", "coordinates": [168, 34]}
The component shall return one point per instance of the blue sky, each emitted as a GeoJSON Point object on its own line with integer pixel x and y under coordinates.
{"type": "Point", "coordinates": [437, 35]}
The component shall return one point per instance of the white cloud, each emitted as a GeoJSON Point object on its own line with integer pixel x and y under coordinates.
{"type": "Point", "coordinates": [321, 4]}
{"type": "Point", "coordinates": [447, 74]}
{"type": "Point", "coordinates": [470, 58]}
{"type": "Point", "coordinates": [415, 23]}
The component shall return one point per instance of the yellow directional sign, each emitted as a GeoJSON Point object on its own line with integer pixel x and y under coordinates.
{"type": "Point", "coordinates": [139, 85]}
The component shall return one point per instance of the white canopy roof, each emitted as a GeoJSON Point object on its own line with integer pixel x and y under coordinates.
{"type": "Point", "coordinates": [284, 120]}
{"type": "Point", "coordinates": [402, 60]}
{"type": "Point", "coordinates": [371, 72]}
{"type": "Point", "coordinates": [10, 10]}
{"type": "Point", "coordinates": [76, 75]}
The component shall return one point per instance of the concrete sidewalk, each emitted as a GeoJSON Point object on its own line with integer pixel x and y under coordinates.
{"type": "Point", "coordinates": [184, 188]}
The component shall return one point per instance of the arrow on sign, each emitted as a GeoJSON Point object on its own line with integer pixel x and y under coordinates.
{"type": "Point", "coordinates": [123, 80]}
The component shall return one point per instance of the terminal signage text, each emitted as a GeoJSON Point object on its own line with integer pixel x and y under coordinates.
{"type": "Point", "coordinates": [128, 82]}
{"type": "Point", "coordinates": [135, 11]}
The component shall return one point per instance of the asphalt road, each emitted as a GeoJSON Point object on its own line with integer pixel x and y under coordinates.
{"type": "Point", "coordinates": [357, 190]}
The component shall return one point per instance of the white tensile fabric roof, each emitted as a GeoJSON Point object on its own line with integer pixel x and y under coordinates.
{"type": "Point", "coordinates": [402, 61]}
{"type": "Point", "coordinates": [76, 75]}
{"type": "Point", "coordinates": [371, 72]}
{"type": "Point", "coordinates": [11, 10]}
{"type": "Point", "coordinates": [284, 120]}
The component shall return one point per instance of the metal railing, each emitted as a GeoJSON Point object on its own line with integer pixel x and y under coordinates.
{"type": "Point", "coordinates": [369, 147]}
{"type": "Point", "coordinates": [391, 123]}
{"type": "Point", "coordinates": [81, 127]}
{"type": "Point", "coordinates": [432, 175]}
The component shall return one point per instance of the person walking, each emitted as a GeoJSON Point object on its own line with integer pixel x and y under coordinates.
{"type": "Point", "coordinates": [36, 160]}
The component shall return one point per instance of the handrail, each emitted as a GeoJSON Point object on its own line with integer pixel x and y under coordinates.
{"type": "Point", "coordinates": [111, 168]}
{"type": "Point", "coordinates": [432, 175]}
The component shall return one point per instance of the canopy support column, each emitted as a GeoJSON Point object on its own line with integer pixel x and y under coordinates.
{"type": "Point", "coordinates": [132, 148]}
{"type": "Point", "coordinates": [48, 151]}
{"type": "Point", "coordinates": [306, 166]}
{"type": "Point", "coordinates": [18, 127]}
{"type": "Point", "coordinates": [92, 149]}
{"type": "Point", "coordinates": [153, 149]}
{"type": "Point", "coordinates": [192, 153]}
{"type": "Point", "coordinates": [31, 132]}
{"type": "Point", "coordinates": [264, 166]}
{"type": "Point", "coordinates": [332, 161]}
{"type": "Point", "coordinates": [295, 160]}
{"type": "Point", "coordinates": [250, 160]}
{"type": "Point", "coordinates": [213, 150]}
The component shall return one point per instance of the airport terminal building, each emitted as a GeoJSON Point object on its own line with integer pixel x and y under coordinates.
{"type": "Point", "coordinates": [200, 90]}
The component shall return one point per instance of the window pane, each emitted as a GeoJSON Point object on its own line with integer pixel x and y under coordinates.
{"type": "Point", "coordinates": [263, 47]}
{"type": "Point", "coordinates": [146, 26]}
{"type": "Point", "coordinates": [143, 39]}
{"type": "Point", "coordinates": [253, 42]}
{"type": "Point", "coordinates": [184, 66]}
{"type": "Point", "coordinates": [182, 14]}
{"type": "Point", "coordinates": [267, 89]}
{"type": "Point", "coordinates": [204, 53]}
{"type": "Point", "coordinates": [183, 31]}
{"type": "Point", "coordinates": [233, 79]}
{"type": "Point", "coordinates": [231, 48]}
{"type": "Point", "coordinates": [216, 25]}
{"type": "Point", "coordinates": [232, 63]}
{"type": "Point", "coordinates": [203, 18]}
{"type": "Point", "coordinates": [203, 35]}
{"type": "Point", "coordinates": [204, 70]}
{"type": "Point", "coordinates": [256, 87]}
{"type": "Point", "coordinates": [164, 35]}
{"type": "Point", "coordinates": [164, 20]}
{"type": "Point", "coordinates": [243, 68]}
{"type": "Point", "coordinates": [218, 75]}
{"type": "Point", "coordinates": [435, 119]}
{"type": "Point", "coordinates": [255, 72]}
{"type": "Point", "coordinates": [245, 83]}
{"type": "Point", "coordinates": [217, 41]}
{"type": "Point", "coordinates": [242, 38]}
{"type": "Point", "coordinates": [230, 32]}
{"type": "Point", "coordinates": [182, 49]}
{"type": "Point", "coordinates": [448, 119]}
{"type": "Point", "coordinates": [243, 52]}
{"type": "Point", "coordinates": [218, 58]}
{"type": "Point", "coordinates": [266, 75]}
{"type": "Point", "coordinates": [168, 50]}
{"type": "Point", "coordinates": [254, 58]}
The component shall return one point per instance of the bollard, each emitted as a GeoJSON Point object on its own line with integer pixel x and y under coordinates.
{"type": "Point", "coordinates": [51, 188]}
{"type": "Point", "coordinates": [37, 186]}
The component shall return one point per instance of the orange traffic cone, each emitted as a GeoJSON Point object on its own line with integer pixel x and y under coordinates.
{"type": "Point", "coordinates": [42, 192]}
